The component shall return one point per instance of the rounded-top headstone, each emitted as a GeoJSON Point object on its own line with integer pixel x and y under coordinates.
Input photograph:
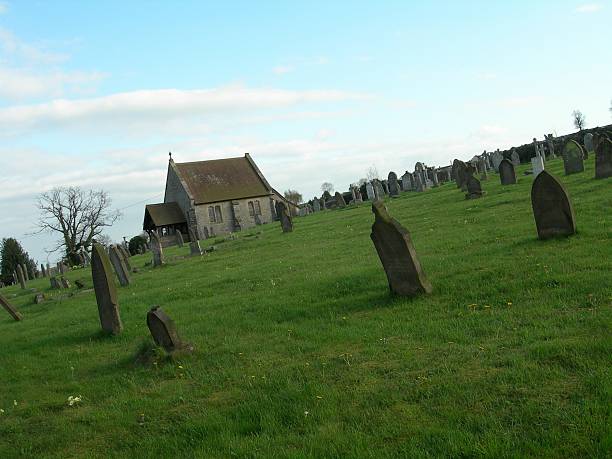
{"type": "Point", "coordinates": [603, 157]}
{"type": "Point", "coordinates": [552, 208]}
{"type": "Point", "coordinates": [163, 330]}
{"type": "Point", "coordinates": [573, 155]}
{"type": "Point", "coordinates": [507, 174]}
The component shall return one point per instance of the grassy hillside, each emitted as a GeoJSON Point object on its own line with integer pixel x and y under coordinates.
{"type": "Point", "coordinates": [302, 352]}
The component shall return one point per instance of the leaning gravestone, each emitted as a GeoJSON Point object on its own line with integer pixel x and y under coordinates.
{"type": "Point", "coordinates": [194, 243]}
{"type": "Point", "coordinates": [156, 250]}
{"type": "Point", "coordinates": [397, 254]}
{"type": "Point", "coordinates": [474, 190]}
{"type": "Point", "coordinates": [507, 175]}
{"type": "Point", "coordinates": [10, 308]}
{"type": "Point", "coordinates": [163, 330]}
{"type": "Point", "coordinates": [340, 202]}
{"type": "Point", "coordinates": [537, 165]}
{"type": "Point", "coordinates": [588, 142]}
{"type": "Point", "coordinates": [552, 208]}
{"type": "Point", "coordinates": [106, 292]}
{"type": "Point", "coordinates": [21, 277]}
{"type": "Point", "coordinates": [179, 239]}
{"type": "Point", "coordinates": [26, 275]}
{"type": "Point", "coordinates": [126, 258]}
{"type": "Point", "coordinates": [285, 219]}
{"type": "Point", "coordinates": [603, 158]}
{"type": "Point", "coordinates": [65, 282]}
{"type": "Point", "coordinates": [117, 260]}
{"type": "Point", "coordinates": [572, 157]}
{"type": "Point", "coordinates": [393, 184]}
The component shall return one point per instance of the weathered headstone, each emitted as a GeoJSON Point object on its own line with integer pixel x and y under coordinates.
{"type": "Point", "coordinates": [61, 267]}
{"type": "Point", "coordinates": [603, 157]}
{"type": "Point", "coordinates": [394, 189]}
{"type": "Point", "coordinates": [316, 205]}
{"type": "Point", "coordinates": [588, 142]}
{"type": "Point", "coordinates": [26, 274]}
{"type": "Point", "coordinates": [370, 191]}
{"type": "Point", "coordinates": [106, 292]}
{"type": "Point", "coordinates": [156, 250]}
{"type": "Point", "coordinates": [163, 330]}
{"type": "Point", "coordinates": [285, 218]}
{"type": "Point", "coordinates": [65, 282]}
{"type": "Point", "coordinates": [397, 254]}
{"type": "Point", "coordinates": [482, 166]}
{"type": "Point", "coordinates": [515, 158]}
{"type": "Point", "coordinates": [507, 175]}
{"type": "Point", "coordinates": [179, 239]}
{"type": "Point", "coordinates": [407, 181]}
{"type": "Point", "coordinates": [418, 183]}
{"type": "Point", "coordinates": [552, 208]}
{"type": "Point", "coordinates": [43, 270]}
{"type": "Point", "coordinates": [194, 243]}
{"type": "Point", "coordinates": [459, 171]}
{"type": "Point", "coordinates": [21, 277]}
{"type": "Point", "coordinates": [537, 165]}
{"type": "Point", "coordinates": [117, 260]}
{"type": "Point", "coordinates": [340, 203]}
{"type": "Point", "coordinates": [10, 308]}
{"type": "Point", "coordinates": [474, 190]}
{"type": "Point", "coordinates": [497, 159]}
{"type": "Point", "coordinates": [551, 146]}
{"type": "Point", "coordinates": [572, 157]}
{"type": "Point", "coordinates": [39, 298]}
{"type": "Point", "coordinates": [55, 285]}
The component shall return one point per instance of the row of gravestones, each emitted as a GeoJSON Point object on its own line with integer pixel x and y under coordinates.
{"type": "Point", "coordinates": [574, 156]}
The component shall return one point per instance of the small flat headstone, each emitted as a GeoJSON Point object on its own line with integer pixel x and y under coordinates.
{"type": "Point", "coordinates": [507, 175]}
{"type": "Point", "coordinates": [10, 308]}
{"type": "Point", "coordinates": [106, 292]}
{"type": "Point", "coordinates": [163, 330]}
{"type": "Point", "coordinates": [397, 254]}
{"type": "Point", "coordinates": [552, 208]}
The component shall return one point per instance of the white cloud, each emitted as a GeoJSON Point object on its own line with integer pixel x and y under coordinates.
{"type": "Point", "coordinates": [19, 84]}
{"type": "Point", "coordinates": [588, 8]}
{"type": "Point", "coordinates": [163, 104]}
{"type": "Point", "coordinates": [3, 7]}
{"type": "Point", "coordinates": [282, 69]}
{"type": "Point", "coordinates": [13, 47]}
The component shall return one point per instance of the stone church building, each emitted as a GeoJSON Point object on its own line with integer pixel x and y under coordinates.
{"type": "Point", "coordinates": [213, 197]}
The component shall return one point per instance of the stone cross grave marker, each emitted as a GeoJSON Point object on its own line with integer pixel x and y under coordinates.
{"type": "Point", "coordinates": [117, 260]}
{"type": "Point", "coordinates": [156, 250]}
{"type": "Point", "coordinates": [10, 308]}
{"type": "Point", "coordinates": [572, 158]}
{"type": "Point", "coordinates": [507, 175]}
{"type": "Point", "coordinates": [106, 292]}
{"type": "Point", "coordinates": [552, 208]}
{"type": "Point", "coordinates": [163, 330]}
{"type": "Point", "coordinates": [397, 254]}
{"type": "Point", "coordinates": [603, 157]}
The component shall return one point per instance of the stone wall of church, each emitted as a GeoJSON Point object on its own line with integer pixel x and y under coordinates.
{"type": "Point", "coordinates": [209, 228]}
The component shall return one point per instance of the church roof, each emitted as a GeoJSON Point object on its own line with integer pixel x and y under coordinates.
{"type": "Point", "coordinates": [163, 214]}
{"type": "Point", "coordinates": [223, 179]}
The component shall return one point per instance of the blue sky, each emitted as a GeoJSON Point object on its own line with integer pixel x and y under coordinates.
{"type": "Point", "coordinates": [96, 94]}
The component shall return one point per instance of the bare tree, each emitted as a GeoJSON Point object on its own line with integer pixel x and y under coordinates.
{"type": "Point", "coordinates": [79, 216]}
{"type": "Point", "coordinates": [294, 196]}
{"type": "Point", "coordinates": [579, 120]}
{"type": "Point", "coordinates": [372, 173]}
{"type": "Point", "coordinates": [326, 186]}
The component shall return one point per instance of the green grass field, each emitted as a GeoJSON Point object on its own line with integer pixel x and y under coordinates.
{"type": "Point", "coordinates": [302, 352]}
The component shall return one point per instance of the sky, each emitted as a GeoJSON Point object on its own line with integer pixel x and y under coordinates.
{"type": "Point", "coordinates": [95, 94]}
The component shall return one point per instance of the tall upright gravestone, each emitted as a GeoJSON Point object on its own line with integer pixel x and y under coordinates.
{"type": "Point", "coordinates": [179, 238]}
{"type": "Point", "coordinates": [10, 308]}
{"type": "Point", "coordinates": [537, 165]}
{"type": "Point", "coordinates": [573, 155]}
{"type": "Point", "coordinates": [26, 274]}
{"type": "Point", "coordinates": [397, 255]}
{"type": "Point", "coordinates": [552, 208]}
{"type": "Point", "coordinates": [285, 219]}
{"type": "Point", "coordinates": [340, 202]}
{"type": "Point", "coordinates": [21, 277]}
{"type": "Point", "coordinates": [117, 260]}
{"type": "Point", "coordinates": [194, 243]}
{"type": "Point", "coordinates": [156, 249]}
{"type": "Point", "coordinates": [106, 292]}
{"type": "Point", "coordinates": [394, 188]}
{"type": "Point", "coordinates": [507, 175]}
{"type": "Point", "coordinates": [603, 157]}
{"type": "Point", "coordinates": [588, 142]}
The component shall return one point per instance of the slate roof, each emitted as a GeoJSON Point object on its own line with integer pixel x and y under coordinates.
{"type": "Point", "coordinates": [223, 179]}
{"type": "Point", "coordinates": [163, 214]}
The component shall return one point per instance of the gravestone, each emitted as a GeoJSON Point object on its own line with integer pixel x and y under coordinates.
{"type": "Point", "coordinates": [394, 189]}
{"type": "Point", "coordinates": [537, 165]}
{"type": "Point", "coordinates": [39, 298]}
{"type": "Point", "coordinates": [397, 255]}
{"type": "Point", "coordinates": [106, 292]}
{"type": "Point", "coordinates": [497, 159]}
{"type": "Point", "coordinates": [418, 183]}
{"type": "Point", "coordinates": [434, 179]}
{"type": "Point", "coordinates": [118, 262]}
{"type": "Point", "coordinates": [406, 182]}
{"type": "Point", "coordinates": [55, 285]}
{"type": "Point", "coordinates": [156, 250]}
{"type": "Point", "coordinates": [285, 218]}
{"type": "Point", "coordinates": [572, 158]}
{"type": "Point", "coordinates": [379, 191]}
{"type": "Point", "coordinates": [515, 158]}
{"type": "Point", "coordinates": [357, 194]}
{"type": "Point", "coordinates": [603, 157]}
{"type": "Point", "coordinates": [551, 145]}
{"type": "Point", "coordinates": [61, 267]}
{"type": "Point", "coordinates": [43, 270]}
{"type": "Point", "coordinates": [64, 282]}
{"type": "Point", "coordinates": [474, 190]}
{"type": "Point", "coordinates": [340, 203]}
{"type": "Point", "coordinates": [552, 208]}
{"type": "Point", "coordinates": [21, 277]}
{"type": "Point", "coordinates": [385, 186]}
{"type": "Point", "coordinates": [507, 175]}
{"type": "Point", "coordinates": [370, 191]}
{"type": "Point", "coordinates": [126, 258]}
{"type": "Point", "coordinates": [194, 243]}
{"type": "Point", "coordinates": [10, 308]}
{"type": "Point", "coordinates": [459, 171]}
{"type": "Point", "coordinates": [179, 239]}
{"type": "Point", "coordinates": [163, 330]}
{"type": "Point", "coordinates": [26, 275]}
{"type": "Point", "coordinates": [588, 142]}
{"type": "Point", "coordinates": [316, 206]}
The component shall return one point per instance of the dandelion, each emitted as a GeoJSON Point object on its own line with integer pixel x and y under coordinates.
{"type": "Point", "coordinates": [319, 397]}
{"type": "Point", "coordinates": [180, 367]}
{"type": "Point", "coordinates": [306, 413]}
{"type": "Point", "coordinates": [74, 400]}
{"type": "Point", "coordinates": [14, 402]}
{"type": "Point", "coordinates": [509, 303]}
{"type": "Point", "coordinates": [1, 411]}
